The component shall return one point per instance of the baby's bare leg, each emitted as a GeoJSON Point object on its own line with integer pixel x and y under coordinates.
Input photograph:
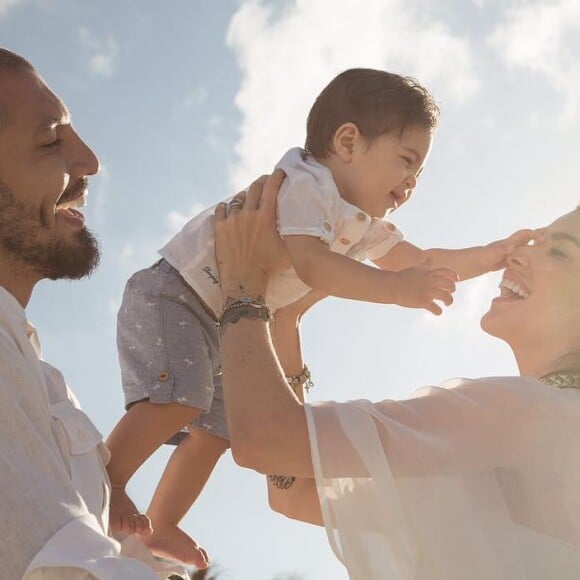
{"type": "Point", "coordinates": [186, 474]}
{"type": "Point", "coordinates": [138, 434]}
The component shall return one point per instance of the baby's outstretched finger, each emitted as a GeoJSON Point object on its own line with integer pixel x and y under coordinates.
{"type": "Point", "coordinates": [446, 283]}
{"type": "Point", "coordinates": [523, 237]}
{"type": "Point", "coordinates": [445, 297]}
{"type": "Point", "coordinates": [434, 308]}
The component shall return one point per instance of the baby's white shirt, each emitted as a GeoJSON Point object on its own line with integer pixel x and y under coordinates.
{"type": "Point", "coordinates": [308, 204]}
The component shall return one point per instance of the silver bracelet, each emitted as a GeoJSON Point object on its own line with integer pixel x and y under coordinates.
{"type": "Point", "coordinates": [250, 308]}
{"type": "Point", "coordinates": [304, 379]}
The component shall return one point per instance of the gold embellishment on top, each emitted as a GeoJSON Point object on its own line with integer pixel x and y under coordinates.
{"type": "Point", "coordinates": [563, 379]}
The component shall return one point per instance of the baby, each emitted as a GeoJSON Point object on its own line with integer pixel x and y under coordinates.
{"type": "Point", "coordinates": [368, 136]}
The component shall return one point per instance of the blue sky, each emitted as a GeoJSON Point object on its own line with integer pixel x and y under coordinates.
{"type": "Point", "coordinates": [185, 102]}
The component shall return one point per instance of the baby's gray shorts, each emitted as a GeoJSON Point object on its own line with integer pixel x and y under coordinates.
{"type": "Point", "coordinates": [168, 347]}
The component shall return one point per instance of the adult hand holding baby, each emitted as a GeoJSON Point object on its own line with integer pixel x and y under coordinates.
{"type": "Point", "coordinates": [248, 247]}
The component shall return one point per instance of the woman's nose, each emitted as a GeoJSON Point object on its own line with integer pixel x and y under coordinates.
{"type": "Point", "coordinates": [515, 259]}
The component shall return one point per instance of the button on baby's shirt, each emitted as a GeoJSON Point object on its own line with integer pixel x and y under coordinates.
{"type": "Point", "coordinates": [163, 377]}
{"type": "Point", "coordinates": [361, 216]}
{"type": "Point", "coordinates": [326, 226]}
{"type": "Point", "coordinates": [344, 242]}
{"type": "Point", "coordinates": [389, 227]}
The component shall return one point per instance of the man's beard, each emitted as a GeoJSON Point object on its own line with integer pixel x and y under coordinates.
{"type": "Point", "coordinates": [25, 235]}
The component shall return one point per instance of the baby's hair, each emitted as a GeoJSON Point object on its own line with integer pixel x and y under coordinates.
{"type": "Point", "coordinates": [377, 102]}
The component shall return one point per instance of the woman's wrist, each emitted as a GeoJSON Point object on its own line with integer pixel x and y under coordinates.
{"type": "Point", "coordinates": [251, 286]}
{"type": "Point", "coordinates": [287, 318]}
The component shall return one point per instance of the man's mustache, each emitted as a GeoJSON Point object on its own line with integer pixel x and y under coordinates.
{"type": "Point", "coordinates": [75, 190]}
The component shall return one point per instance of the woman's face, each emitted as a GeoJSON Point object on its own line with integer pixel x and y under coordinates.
{"type": "Point", "coordinates": [539, 302]}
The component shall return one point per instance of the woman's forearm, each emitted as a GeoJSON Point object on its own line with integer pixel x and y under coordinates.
{"type": "Point", "coordinates": [285, 333]}
{"type": "Point", "coordinates": [294, 497]}
{"type": "Point", "coordinates": [267, 422]}
{"type": "Point", "coordinates": [299, 502]}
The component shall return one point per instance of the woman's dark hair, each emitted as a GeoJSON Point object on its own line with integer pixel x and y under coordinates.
{"type": "Point", "coordinates": [377, 102]}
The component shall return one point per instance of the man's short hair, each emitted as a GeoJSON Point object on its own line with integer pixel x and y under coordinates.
{"type": "Point", "coordinates": [10, 62]}
{"type": "Point", "coordinates": [377, 102]}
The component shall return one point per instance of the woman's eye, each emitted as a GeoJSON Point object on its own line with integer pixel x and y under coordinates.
{"type": "Point", "coordinates": [556, 252]}
{"type": "Point", "coordinates": [407, 160]}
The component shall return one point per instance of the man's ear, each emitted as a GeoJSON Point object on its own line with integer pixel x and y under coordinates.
{"type": "Point", "coordinates": [345, 140]}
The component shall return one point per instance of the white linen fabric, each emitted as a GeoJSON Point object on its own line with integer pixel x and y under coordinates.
{"type": "Point", "coordinates": [54, 486]}
{"type": "Point", "coordinates": [308, 204]}
{"type": "Point", "coordinates": [476, 479]}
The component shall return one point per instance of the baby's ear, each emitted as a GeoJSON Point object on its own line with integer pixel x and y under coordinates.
{"type": "Point", "coordinates": [346, 138]}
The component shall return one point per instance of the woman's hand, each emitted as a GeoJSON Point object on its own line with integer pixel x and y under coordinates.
{"type": "Point", "coordinates": [248, 247]}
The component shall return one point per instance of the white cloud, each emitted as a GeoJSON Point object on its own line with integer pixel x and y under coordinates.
{"type": "Point", "coordinates": [542, 37]}
{"type": "Point", "coordinates": [140, 253]}
{"type": "Point", "coordinates": [127, 255]}
{"type": "Point", "coordinates": [137, 254]}
{"type": "Point", "coordinates": [5, 5]}
{"type": "Point", "coordinates": [103, 52]}
{"type": "Point", "coordinates": [99, 196]}
{"type": "Point", "coordinates": [113, 305]}
{"type": "Point", "coordinates": [471, 301]}
{"type": "Point", "coordinates": [176, 220]}
{"type": "Point", "coordinates": [195, 98]}
{"type": "Point", "coordinates": [287, 57]}
{"type": "Point", "coordinates": [214, 135]}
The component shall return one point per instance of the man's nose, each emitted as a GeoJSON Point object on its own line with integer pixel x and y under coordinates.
{"type": "Point", "coordinates": [84, 162]}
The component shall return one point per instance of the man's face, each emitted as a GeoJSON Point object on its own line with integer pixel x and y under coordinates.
{"type": "Point", "coordinates": [43, 177]}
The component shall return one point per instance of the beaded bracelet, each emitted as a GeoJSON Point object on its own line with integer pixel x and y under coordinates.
{"type": "Point", "coordinates": [304, 379]}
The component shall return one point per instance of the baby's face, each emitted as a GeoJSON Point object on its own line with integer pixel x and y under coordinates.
{"type": "Point", "coordinates": [384, 171]}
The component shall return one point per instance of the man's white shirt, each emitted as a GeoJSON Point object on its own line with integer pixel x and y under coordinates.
{"type": "Point", "coordinates": [54, 485]}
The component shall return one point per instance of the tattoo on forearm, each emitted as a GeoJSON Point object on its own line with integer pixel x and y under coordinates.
{"type": "Point", "coordinates": [282, 481]}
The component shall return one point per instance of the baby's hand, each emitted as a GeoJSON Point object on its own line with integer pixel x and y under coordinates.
{"type": "Point", "coordinates": [493, 256]}
{"type": "Point", "coordinates": [420, 286]}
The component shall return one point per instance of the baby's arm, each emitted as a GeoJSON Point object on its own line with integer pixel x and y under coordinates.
{"type": "Point", "coordinates": [321, 269]}
{"type": "Point", "coordinates": [467, 262]}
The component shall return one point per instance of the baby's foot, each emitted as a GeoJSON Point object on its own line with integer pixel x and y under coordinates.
{"type": "Point", "coordinates": [124, 517]}
{"type": "Point", "coordinates": [169, 541]}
